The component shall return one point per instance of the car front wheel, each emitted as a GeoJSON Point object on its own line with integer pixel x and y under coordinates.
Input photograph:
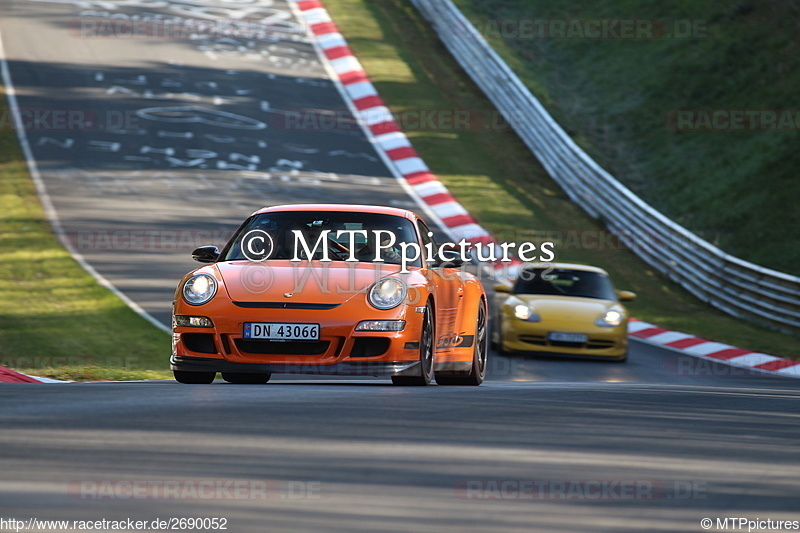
{"type": "Point", "coordinates": [477, 372]}
{"type": "Point", "coordinates": [426, 349]}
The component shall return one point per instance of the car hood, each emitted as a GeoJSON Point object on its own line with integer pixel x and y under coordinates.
{"type": "Point", "coordinates": [314, 282]}
{"type": "Point", "coordinates": [564, 307]}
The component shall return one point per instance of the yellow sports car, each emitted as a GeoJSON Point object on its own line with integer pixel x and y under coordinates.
{"type": "Point", "coordinates": [562, 308]}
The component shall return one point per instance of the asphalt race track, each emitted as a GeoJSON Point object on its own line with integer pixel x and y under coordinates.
{"type": "Point", "coordinates": [174, 142]}
{"type": "Point", "coordinates": [364, 456]}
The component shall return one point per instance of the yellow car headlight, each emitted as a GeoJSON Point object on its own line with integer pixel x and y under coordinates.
{"type": "Point", "coordinates": [610, 319]}
{"type": "Point", "coordinates": [523, 312]}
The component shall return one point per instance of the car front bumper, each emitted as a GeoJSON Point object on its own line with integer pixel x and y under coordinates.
{"type": "Point", "coordinates": [606, 343]}
{"type": "Point", "coordinates": [360, 368]}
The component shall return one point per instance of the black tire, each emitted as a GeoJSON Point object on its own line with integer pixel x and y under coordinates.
{"type": "Point", "coordinates": [426, 350]}
{"type": "Point", "coordinates": [194, 378]}
{"type": "Point", "coordinates": [480, 354]}
{"type": "Point", "coordinates": [246, 378]}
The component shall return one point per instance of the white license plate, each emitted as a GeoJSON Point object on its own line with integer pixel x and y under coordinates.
{"type": "Point", "coordinates": [278, 331]}
{"type": "Point", "coordinates": [567, 337]}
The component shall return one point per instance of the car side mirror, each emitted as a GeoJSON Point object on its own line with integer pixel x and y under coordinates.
{"type": "Point", "coordinates": [206, 254]}
{"type": "Point", "coordinates": [452, 259]}
{"type": "Point", "coordinates": [502, 288]}
{"type": "Point", "coordinates": [626, 296]}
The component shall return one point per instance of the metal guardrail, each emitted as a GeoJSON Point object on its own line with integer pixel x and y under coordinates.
{"type": "Point", "coordinates": [731, 284]}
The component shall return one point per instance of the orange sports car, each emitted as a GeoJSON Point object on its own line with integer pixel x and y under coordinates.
{"type": "Point", "coordinates": [330, 289]}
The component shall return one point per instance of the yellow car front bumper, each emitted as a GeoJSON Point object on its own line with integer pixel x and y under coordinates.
{"type": "Point", "coordinates": [521, 336]}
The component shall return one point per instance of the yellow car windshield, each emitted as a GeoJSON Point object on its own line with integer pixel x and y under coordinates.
{"type": "Point", "coordinates": [565, 282]}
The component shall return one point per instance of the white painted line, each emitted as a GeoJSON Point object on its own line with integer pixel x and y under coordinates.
{"type": "Point", "coordinates": [374, 115]}
{"type": "Point", "coordinates": [449, 209]}
{"type": "Point", "coordinates": [344, 64]}
{"type": "Point", "coordinates": [390, 141]}
{"type": "Point", "coordinates": [790, 371]}
{"type": "Point", "coordinates": [706, 348]}
{"type": "Point", "coordinates": [669, 336]}
{"type": "Point", "coordinates": [638, 325]}
{"type": "Point", "coordinates": [331, 40]}
{"type": "Point", "coordinates": [429, 188]}
{"type": "Point", "coordinates": [46, 380]}
{"type": "Point", "coordinates": [471, 231]}
{"type": "Point", "coordinates": [360, 90]}
{"type": "Point", "coordinates": [411, 165]}
{"type": "Point", "coordinates": [316, 16]}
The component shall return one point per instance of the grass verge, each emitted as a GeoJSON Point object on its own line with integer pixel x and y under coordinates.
{"type": "Point", "coordinates": [96, 373]}
{"type": "Point", "coordinates": [55, 320]}
{"type": "Point", "coordinates": [499, 181]}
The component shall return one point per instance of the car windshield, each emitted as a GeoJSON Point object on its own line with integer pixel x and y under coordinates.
{"type": "Point", "coordinates": [298, 234]}
{"type": "Point", "coordinates": [565, 282]}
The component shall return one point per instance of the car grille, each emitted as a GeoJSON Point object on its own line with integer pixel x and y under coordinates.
{"type": "Point", "coordinates": [539, 340]}
{"type": "Point", "coordinates": [591, 344]}
{"type": "Point", "coordinates": [199, 342]}
{"type": "Point", "coordinates": [282, 348]}
{"type": "Point", "coordinates": [563, 344]}
{"type": "Point", "coordinates": [598, 344]}
{"type": "Point", "coordinates": [369, 346]}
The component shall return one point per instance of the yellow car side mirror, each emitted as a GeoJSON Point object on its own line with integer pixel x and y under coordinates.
{"type": "Point", "coordinates": [502, 288]}
{"type": "Point", "coordinates": [626, 296]}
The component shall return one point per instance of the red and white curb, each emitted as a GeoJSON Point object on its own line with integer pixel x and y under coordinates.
{"type": "Point", "coordinates": [380, 127]}
{"type": "Point", "coordinates": [712, 351]}
{"type": "Point", "coordinates": [12, 376]}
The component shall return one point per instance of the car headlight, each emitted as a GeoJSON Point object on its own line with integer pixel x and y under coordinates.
{"type": "Point", "coordinates": [387, 293]}
{"type": "Point", "coordinates": [610, 319]}
{"type": "Point", "coordinates": [523, 312]}
{"type": "Point", "coordinates": [199, 289]}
